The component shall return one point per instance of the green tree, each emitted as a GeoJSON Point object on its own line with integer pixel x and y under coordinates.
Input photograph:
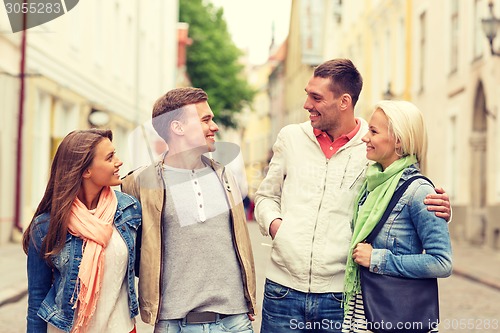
{"type": "Point", "coordinates": [212, 60]}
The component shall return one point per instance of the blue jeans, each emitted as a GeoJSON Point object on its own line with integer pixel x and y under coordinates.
{"type": "Point", "coordinates": [235, 324]}
{"type": "Point", "coordinates": [286, 310]}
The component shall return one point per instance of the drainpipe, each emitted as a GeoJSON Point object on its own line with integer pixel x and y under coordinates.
{"type": "Point", "coordinates": [19, 153]}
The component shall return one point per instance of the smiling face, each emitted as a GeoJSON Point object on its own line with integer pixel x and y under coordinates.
{"type": "Point", "coordinates": [105, 167]}
{"type": "Point", "coordinates": [381, 144]}
{"type": "Point", "coordinates": [199, 126]}
{"type": "Point", "coordinates": [323, 106]}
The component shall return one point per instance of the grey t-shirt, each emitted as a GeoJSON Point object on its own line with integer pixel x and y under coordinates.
{"type": "Point", "coordinates": [200, 268]}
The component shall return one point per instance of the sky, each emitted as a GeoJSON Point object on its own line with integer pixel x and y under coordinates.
{"type": "Point", "coordinates": [250, 24]}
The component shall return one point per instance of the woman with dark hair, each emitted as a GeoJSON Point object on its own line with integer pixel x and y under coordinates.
{"type": "Point", "coordinates": [81, 242]}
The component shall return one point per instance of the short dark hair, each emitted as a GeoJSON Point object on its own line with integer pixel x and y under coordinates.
{"type": "Point", "coordinates": [344, 77]}
{"type": "Point", "coordinates": [170, 107]}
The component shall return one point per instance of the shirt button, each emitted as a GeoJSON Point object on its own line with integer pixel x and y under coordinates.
{"type": "Point", "coordinates": [331, 148]}
{"type": "Point", "coordinates": [375, 269]}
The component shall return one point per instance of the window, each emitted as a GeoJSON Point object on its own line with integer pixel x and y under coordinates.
{"type": "Point", "coordinates": [452, 162]}
{"type": "Point", "coordinates": [41, 153]}
{"type": "Point", "coordinates": [388, 60]}
{"type": "Point", "coordinates": [497, 136]}
{"type": "Point", "coordinates": [400, 75]}
{"type": "Point", "coordinates": [377, 84]}
{"type": "Point", "coordinates": [479, 38]}
{"type": "Point", "coordinates": [454, 36]}
{"type": "Point", "coordinates": [75, 31]}
{"type": "Point", "coordinates": [116, 42]}
{"type": "Point", "coordinates": [8, 135]}
{"type": "Point", "coordinates": [98, 33]}
{"type": "Point", "coordinates": [128, 54]}
{"type": "Point", "coordinates": [65, 120]}
{"type": "Point", "coordinates": [422, 51]}
{"type": "Point", "coordinates": [120, 143]}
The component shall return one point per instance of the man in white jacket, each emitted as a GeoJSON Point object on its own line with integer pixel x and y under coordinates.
{"type": "Point", "coordinates": [305, 204]}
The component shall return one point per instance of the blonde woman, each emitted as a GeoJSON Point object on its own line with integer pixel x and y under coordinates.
{"type": "Point", "coordinates": [413, 242]}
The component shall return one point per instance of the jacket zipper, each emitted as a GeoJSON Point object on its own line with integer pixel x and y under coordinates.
{"type": "Point", "coordinates": [161, 240]}
{"type": "Point", "coordinates": [345, 171]}
{"type": "Point", "coordinates": [315, 225]}
{"type": "Point", "coordinates": [359, 175]}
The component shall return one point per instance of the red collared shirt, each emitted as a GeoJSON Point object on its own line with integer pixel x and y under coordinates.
{"type": "Point", "coordinates": [330, 147]}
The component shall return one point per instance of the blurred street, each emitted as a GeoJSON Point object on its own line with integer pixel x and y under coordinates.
{"type": "Point", "coordinates": [103, 64]}
{"type": "Point", "coordinates": [469, 298]}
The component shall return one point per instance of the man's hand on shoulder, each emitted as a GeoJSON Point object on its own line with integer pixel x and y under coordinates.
{"type": "Point", "coordinates": [439, 203]}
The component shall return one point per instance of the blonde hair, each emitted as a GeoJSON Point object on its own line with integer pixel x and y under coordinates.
{"type": "Point", "coordinates": [406, 123]}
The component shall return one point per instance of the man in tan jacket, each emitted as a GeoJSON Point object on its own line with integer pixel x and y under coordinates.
{"type": "Point", "coordinates": [195, 259]}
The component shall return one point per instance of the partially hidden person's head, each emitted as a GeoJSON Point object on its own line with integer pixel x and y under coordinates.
{"type": "Point", "coordinates": [332, 93]}
{"type": "Point", "coordinates": [396, 129]}
{"type": "Point", "coordinates": [183, 116]}
{"type": "Point", "coordinates": [83, 156]}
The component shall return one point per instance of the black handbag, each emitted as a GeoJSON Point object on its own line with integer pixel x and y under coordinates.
{"type": "Point", "coordinates": [397, 304]}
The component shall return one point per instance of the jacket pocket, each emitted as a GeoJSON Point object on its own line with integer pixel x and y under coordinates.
{"type": "Point", "coordinates": [61, 259]}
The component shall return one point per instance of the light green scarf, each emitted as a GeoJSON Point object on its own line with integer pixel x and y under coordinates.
{"type": "Point", "coordinates": [380, 186]}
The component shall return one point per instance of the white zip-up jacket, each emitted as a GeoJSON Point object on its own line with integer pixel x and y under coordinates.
{"type": "Point", "coordinates": [314, 196]}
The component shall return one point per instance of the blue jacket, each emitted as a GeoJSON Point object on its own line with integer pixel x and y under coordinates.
{"type": "Point", "coordinates": [409, 230]}
{"type": "Point", "coordinates": [53, 291]}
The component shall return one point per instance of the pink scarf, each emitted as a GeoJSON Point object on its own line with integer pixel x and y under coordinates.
{"type": "Point", "coordinates": [95, 230]}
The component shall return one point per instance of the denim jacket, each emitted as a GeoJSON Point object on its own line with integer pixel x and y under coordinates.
{"type": "Point", "coordinates": [414, 242]}
{"type": "Point", "coordinates": [53, 291]}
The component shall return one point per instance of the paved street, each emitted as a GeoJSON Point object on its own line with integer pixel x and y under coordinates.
{"type": "Point", "coordinates": [466, 305]}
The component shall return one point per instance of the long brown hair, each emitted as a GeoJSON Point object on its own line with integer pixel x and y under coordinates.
{"type": "Point", "coordinates": [73, 156]}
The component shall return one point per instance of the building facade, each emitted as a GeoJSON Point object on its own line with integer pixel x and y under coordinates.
{"type": "Point", "coordinates": [457, 85]}
{"type": "Point", "coordinates": [9, 100]}
{"type": "Point", "coordinates": [102, 64]}
{"type": "Point", "coordinates": [435, 54]}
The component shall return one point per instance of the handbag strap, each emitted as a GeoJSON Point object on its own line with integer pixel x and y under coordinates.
{"type": "Point", "coordinates": [394, 200]}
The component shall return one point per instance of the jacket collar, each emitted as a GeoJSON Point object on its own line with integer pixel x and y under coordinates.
{"type": "Point", "coordinates": [124, 200]}
{"type": "Point", "coordinates": [356, 140]}
{"type": "Point", "coordinates": [216, 166]}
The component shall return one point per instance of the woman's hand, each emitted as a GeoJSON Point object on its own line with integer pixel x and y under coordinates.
{"type": "Point", "coordinates": [362, 254]}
